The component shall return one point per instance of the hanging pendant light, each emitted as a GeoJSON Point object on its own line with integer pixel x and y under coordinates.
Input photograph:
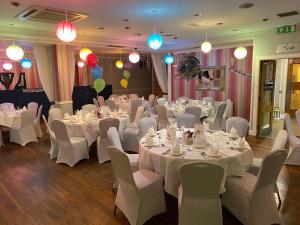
{"type": "Point", "coordinates": [80, 63]}
{"type": "Point", "coordinates": [14, 52]}
{"type": "Point", "coordinates": [155, 41]}
{"type": "Point", "coordinates": [7, 66]}
{"type": "Point", "coordinates": [66, 31]}
{"type": "Point", "coordinates": [119, 64]}
{"type": "Point", "coordinates": [206, 46]}
{"type": "Point", "coordinates": [169, 59]}
{"type": "Point", "coordinates": [26, 63]}
{"type": "Point", "coordinates": [134, 57]}
{"type": "Point", "coordinates": [240, 52]}
{"type": "Point", "coordinates": [84, 53]}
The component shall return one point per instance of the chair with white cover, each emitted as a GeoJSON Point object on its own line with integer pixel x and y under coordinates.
{"type": "Point", "coordinates": [162, 117]}
{"type": "Point", "coordinates": [140, 195]}
{"type": "Point", "coordinates": [111, 104]}
{"type": "Point", "coordinates": [33, 106]}
{"type": "Point", "coordinates": [7, 106]}
{"type": "Point", "coordinates": [101, 100]}
{"type": "Point", "coordinates": [161, 101]}
{"type": "Point", "coordinates": [207, 99]}
{"type": "Point", "coordinates": [133, 96]}
{"type": "Point", "coordinates": [198, 199]}
{"type": "Point", "coordinates": [96, 103]}
{"type": "Point", "coordinates": [196, 111]}
{"type": "Point", "coordinates": [115, 141]}
{"type": "Point", "coordinates": [297, 115]}
{"type": "Point", "coordinates": [215, 122]}
{"type": "Point", "coordinates": [134, 106]}
{"type": "Point", "coordinates": [53, 143]}
{"type": "Point", "coordinates": [138, 116]}
{"type": "Point", "coordinates": [37, 123]}
{"type": "Point", "coordinates": [279, 143]}
{"type": "Point", "coordinates": [145, 124]}
{"type": "Point", "coordinates": [151, 100]}
{"type": "Point", "coordinates": [251, 199]}
{"type": "Point", "coordinates": [102, 140]}
{"type": "Point", "coordinates": [25, 133]}
{"type": "Point", "coordinates": [54, 114]}
{"type": "Point", "coordinates": [294, 153]}
{"type": "Point", "coordinates": [71, 149]}
{"type": "Point", "coordinates": [185, 119]}
{"type": "Point", "coordinates": [240, 124]}
{"type": "Point", "coordinates": [89, 107]}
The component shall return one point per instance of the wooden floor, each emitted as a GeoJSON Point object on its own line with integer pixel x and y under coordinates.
{"type": "Point", "coordinates": [34, 190]}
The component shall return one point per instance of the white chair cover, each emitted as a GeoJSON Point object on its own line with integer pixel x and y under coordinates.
{"type": "Point", "coordinates": [111, 104]}
{"type": "Point", "coordinates": [186, 119]}
{"type": "Point", "coordinates": [215, 123]}
{"type": "Point", "coordinates": [240, 124]}
{"type": "Point", "coordinates": [71, 149]}
{"type": "Point", "coordinates": [140, 194]}
{"type": "Point", "coordinates": [37, 123]}
{"type": "Point", "coordinates": [54, 146]}
{"type": "Point", "coordinates": [134, 106]}
{"type": "Point", "coordinates": [25, 133]}
{"type": "Point", "coordinates": [229, 108]}
{"type": "Point", "coordinates": [133, 96]}
{"type": "Point", "coordinates": [207, 99]}
{"type": "Point", "coordinates": [101, 100]}
{"type": "Point", "coordinates": [33, 106]}
{"type": "Point", "coordinates": [102, 140]}
{"type": "Point", "coordinates": [294, 154]}
{"type": "Point", "coordinates": [198, 199]}
{"type": "Point", "coordinates": [162, 118]}
{"type": "Point", "coordinates": [145, 124]}
{"type": "Point", "coordinates": [151, 100]}
{"type": "Point", "coordinates": [138, 116]}
{"type": "Point", "coordinates": [89, 107]}
{"type": "Point", "coordinates": [182, 98]}
{"type": "Point", "coordinates": [7, 106]}
{"type": "Point", "coordinates": [196, 111]}
{"type": "Point", "coordinates": [54, 114]}
{"type": "Point", "coordinates": [114, 97]}
{"type": "Point", "coordinates": [161, 101]}
{"type": "Point", "coordinates": [96, 103]}
{"type": "Point", "coordinates": [252, 199]}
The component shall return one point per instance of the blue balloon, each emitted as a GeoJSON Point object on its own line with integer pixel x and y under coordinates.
{"type": "Point", "coordinates": [97, 72]}
{"type": "Point", "coordinates": [26, 63]}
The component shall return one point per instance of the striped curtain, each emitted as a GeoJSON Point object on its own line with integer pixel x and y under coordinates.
{"type": "Point", "coordinates": [237, 87]}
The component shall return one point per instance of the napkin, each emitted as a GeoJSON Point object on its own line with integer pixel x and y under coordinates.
{"type": "Point", "coordinates": [151, 131]}
{"type": "Point", "coordinates": [176, 149]}
{"type": "Point", "coordinates": [214, 150]}
{"type": "Point", "coordinates": [66, 116]}
{"type": "Point", "coordinates": [24, 108]}
{"type": "Point", "coordinates": [149, 140]}
{"type": "Point", "coordinates": [233, 132]}
{"type": "Point", "coordinates": [242, 142]}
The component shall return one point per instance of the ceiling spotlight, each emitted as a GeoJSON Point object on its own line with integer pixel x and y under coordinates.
{"type": "Point", "coordinates": [246, 5]}
{"type": "Point", "coordinates": [198, 14]}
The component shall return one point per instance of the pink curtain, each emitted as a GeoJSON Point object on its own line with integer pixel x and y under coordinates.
{"type": "Point", "coordinates": [238, 87]}
{"type": "Point", "coordinates": [32, 78]}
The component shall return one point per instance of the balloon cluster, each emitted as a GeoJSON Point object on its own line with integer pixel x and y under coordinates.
{"type": "Point", "coordinates": [96, 71]}
{"type": "Point", "coordinates": [126, 75]}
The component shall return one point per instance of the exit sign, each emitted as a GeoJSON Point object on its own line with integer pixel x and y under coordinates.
{"type": "Point", "coordinates": [286, 29]}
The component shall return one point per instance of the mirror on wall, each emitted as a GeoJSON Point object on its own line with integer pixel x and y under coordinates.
{"type": "Point", "coordinates": [212, 78]}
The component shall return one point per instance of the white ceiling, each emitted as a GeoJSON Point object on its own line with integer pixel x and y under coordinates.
{"type": "Point", "coordinates": [174, 17]}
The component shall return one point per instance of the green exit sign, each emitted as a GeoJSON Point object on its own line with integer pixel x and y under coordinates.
{"type": "Point", "coordinates": [286, 29]}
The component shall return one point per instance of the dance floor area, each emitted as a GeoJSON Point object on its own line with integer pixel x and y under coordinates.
{"type": "Point", "coordinates": [35, 190]}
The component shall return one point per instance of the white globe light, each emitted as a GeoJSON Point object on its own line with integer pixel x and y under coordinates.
{"type": "Point", "coordinates": [66, 31]}
{"type": "Point", "coordinates": [206, 47]}
{"type": "Point", "coordinates": [240, 52]}
{"type": "Point", "coordinates": [14, 52]}
{"type": "Point", "coordinates": [134, 57]}
{"type": "Point", "coordinates": [80, 63]}
{"type": "Point", "coordinates": [7, 66]}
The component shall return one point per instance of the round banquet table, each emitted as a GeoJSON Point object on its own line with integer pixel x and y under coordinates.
{"type": "Point", "coordinates": [90, 128]}
{"type": "Point", "coordinates": [174, 109]}
{"type": "Point", "coordinates": [235, 161]}
{"type": "Point", "coordinates": [11, 119]}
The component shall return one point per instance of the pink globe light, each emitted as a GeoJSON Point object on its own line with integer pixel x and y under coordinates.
{"type": "Point", "coordinates": [134, 57]}
{"type": "Point", "coordinates": [66, 31]}
{"type": "Point", "coordinates": [7, 66]}
{"type": "Point", "coordinates": [80, 63]}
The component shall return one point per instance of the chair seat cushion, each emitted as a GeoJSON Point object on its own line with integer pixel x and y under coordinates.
{"type": "Point", "coordinates": [244, 184]}
{"type": "Point", "coordinates": [133, 159]}
{"type": "Point", "coordinates": [145, 178]}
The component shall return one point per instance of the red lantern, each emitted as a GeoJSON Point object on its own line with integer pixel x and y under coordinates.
{"type": "Point", "coordinates": [66, 31]}
{"type": "Point", "coordinates": [91, 60]}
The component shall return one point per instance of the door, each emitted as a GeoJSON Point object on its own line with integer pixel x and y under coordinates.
{"type": "Point", "coordinates": [266, 96]}
{"type": "Point", "coordinates": [292, 101]}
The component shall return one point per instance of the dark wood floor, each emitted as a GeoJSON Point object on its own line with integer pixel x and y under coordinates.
{"type": "Point", "coordinates": [34, 190]}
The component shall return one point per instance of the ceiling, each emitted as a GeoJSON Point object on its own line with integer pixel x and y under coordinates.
{"type": "Point", "coordinates": [174, 17]}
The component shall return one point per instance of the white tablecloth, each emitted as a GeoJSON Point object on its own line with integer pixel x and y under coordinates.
{"type": "Point", "coordinates": [11, 120]}
{"type": "Point", "coordinates": [235, 162]}
{"type": "Point", "coordinates": [126, 105]}
{"type": "Point", "coordinates": [90, 129]}
{"type": "Point", "coordinates": [175, 109]}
